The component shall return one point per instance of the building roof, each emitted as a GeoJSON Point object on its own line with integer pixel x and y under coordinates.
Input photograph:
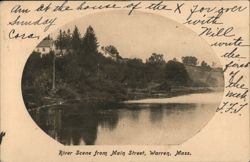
{"type": "Point", "coordinates": [45, 43]}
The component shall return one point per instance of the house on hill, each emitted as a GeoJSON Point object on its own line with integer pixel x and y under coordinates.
{"type": "Point", "coordinates": [45, 47]}
{"type": "Point", "coordinates": [48, 45]}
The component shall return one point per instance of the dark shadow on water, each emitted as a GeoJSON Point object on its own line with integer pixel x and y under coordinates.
{"type": "Point", "coordinates": [72, 124]}
{"type": "Point", "coordinates": [158, 111]}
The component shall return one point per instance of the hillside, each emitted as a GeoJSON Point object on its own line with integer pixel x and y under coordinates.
{"type": "Point", "coordinates": [89, 75]}
{"type": "Point", "coordinates": [212, 78]}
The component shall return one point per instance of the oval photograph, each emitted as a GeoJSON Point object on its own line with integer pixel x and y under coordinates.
{"type": "Point", "coordinates": [116, 79]}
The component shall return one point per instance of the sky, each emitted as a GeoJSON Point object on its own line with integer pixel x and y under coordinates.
{"type": "Point", "coordinates": [141, 34]}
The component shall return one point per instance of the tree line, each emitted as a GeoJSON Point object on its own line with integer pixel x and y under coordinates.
{"type": "Point", "coordinates": [88, 71]}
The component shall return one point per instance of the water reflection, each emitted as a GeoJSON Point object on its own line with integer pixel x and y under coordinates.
{"type": "Point", "coordinates": [88, 124]}
{"type": "Point", "coordinates": [70, 124]}
{"type": "Point", "coordinates": [158, 111]}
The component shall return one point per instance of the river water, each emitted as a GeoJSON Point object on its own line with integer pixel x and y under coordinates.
{"type": "Point", "coordinates": [140, 122]}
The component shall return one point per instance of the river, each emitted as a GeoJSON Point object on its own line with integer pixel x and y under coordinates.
{"type": "Point", "coordinates": [161, 121]}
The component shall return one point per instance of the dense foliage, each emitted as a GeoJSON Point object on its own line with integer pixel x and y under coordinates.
{"type": "Point", "coordinates": [85, 72]}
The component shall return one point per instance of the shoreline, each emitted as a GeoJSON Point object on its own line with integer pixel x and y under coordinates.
{"type": "Point", "coordinates": [132, 96]}
{"type": "Point", "coordinates": [187, 99]}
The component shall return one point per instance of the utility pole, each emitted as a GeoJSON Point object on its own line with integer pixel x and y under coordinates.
{"type": "Point", "coordinates": [54, 72]}
{"type": "Point", "coordinates": [98, 70]}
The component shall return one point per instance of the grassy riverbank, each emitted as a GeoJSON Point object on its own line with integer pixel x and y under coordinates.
{"type": "Point", "coordinates": [38, 99]}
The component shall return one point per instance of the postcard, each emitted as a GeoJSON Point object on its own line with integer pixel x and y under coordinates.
{"type": "Point", "coordinates": [124, 81]}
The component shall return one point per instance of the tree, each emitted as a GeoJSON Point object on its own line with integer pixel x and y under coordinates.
{"type": "Point", "coordinates": [176, 73]}
{"type": "Point", "coordinates": [156, 59]}
{"type": "Point", "coordinates": [190, 60]}
{"type": "Point", "coordinates": [154, 67]}
{"type": "Point", "coordinates": [68, 39]}
{"type": "Point", "coordinates": [60, 41]}
{"type": "Point", "coordinates": [89, 41]}
{"type": "Point", "coordinates": [111, 51]}
{"type": "Point", "coordinates": [76, 41]}
{"type": "Point", "coordinates": [31, 69]}
{"type": "Point", "coordinates": [175, 60]}
{"type": "Point", "coordinates": [204, 65]}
